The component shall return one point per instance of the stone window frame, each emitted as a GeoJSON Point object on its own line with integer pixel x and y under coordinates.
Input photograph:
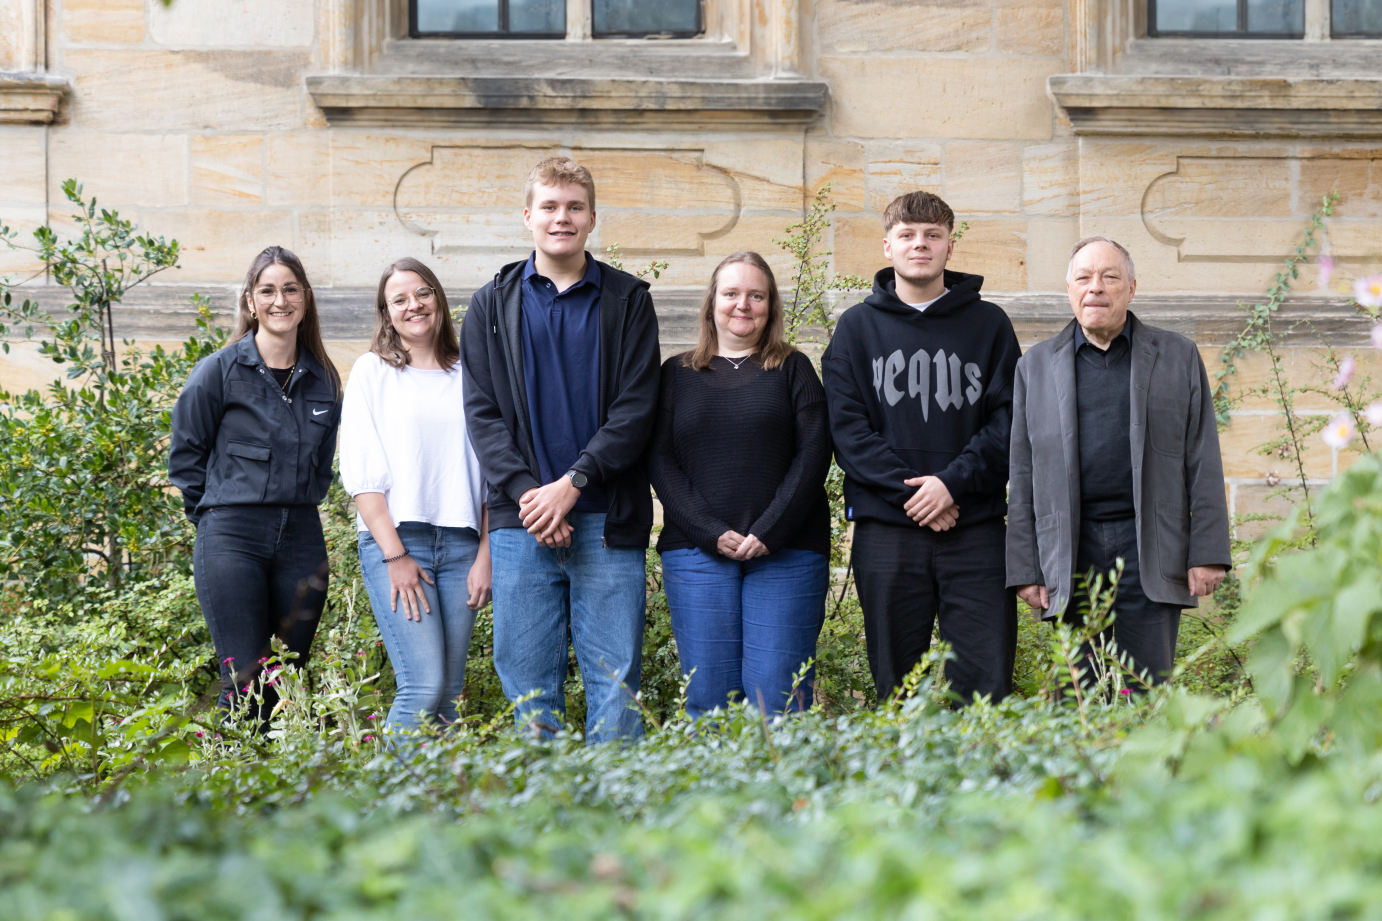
{"type": "Point", "coordinates": [28, 94]}
{"type": "Point", "coordinates": [1127, 83]}
{"type": "Point", "coordinates": [743, 70]}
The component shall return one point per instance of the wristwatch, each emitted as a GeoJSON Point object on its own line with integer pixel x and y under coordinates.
{"type": "Point", "coordinates": [577, 478]}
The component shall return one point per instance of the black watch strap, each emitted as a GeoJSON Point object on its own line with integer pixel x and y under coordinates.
{"type": "Point", "coordinates": [578, 479]}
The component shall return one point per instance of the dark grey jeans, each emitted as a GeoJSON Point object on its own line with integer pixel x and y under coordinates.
{"type": "Point", "coordinates": [261, 571]}
{"type": "Point", "coordinates": [1146, 630]}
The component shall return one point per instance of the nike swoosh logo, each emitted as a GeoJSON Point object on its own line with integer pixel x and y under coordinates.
{"type": "Point", "coordinates": [318, 412]}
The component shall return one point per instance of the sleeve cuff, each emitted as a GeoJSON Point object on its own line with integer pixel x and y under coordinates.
{"type": "Point", "coordinates": [520, 484]}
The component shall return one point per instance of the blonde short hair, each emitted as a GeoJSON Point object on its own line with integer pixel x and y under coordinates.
{"type": "Point", "coordinates": [559, 171]}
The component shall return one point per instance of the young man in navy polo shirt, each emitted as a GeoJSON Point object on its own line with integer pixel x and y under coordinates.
{"type": "Point", "coordinates": [561, 359]}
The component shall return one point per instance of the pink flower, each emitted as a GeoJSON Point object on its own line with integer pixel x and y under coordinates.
{"type": "Point", "coordinates": [369, 738]}
{"type": "Point", "coordinates": [1326, 269]}
{"type": "Point", "coordinates": [1340, 430]}
{"type": "Point", "coordinates": [1345, 373]}
{"type": "Point", "coordinates": [370, 717]}
{"type": "Point", "coordinates": [1125, 691]}
{"type": "Point", "coordinates": [227, 660]}
{"type": "Point", "coordinates": [1377, 336]}
{"type": "Point", "coordinates": [1368, 291]}
{"type": "Point", "coordinates": [1374, 413]}
{"type": "Point", "coordinates": [199, 735]}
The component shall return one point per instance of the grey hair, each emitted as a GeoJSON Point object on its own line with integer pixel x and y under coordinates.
{"type": "Point", "coordinates": [1127, 257]}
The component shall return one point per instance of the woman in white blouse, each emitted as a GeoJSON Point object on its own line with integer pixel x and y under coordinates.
{"type": "Point", "coordinates": [407, 459]}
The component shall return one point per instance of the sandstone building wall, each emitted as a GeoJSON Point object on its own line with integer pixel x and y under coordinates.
{"type": "Point", "coordinates": [318, 125]}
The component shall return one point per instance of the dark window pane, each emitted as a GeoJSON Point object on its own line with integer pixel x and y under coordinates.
{"type": "Point", "coordinates": [1357, 16]}
{"type": "Point", "coordinates": [458, 15]}
{"type": "Point", "coordinates": [1196, 16]}
{"type": "Point", "coordinates": [1276, 16]}
{"type": "Point", "coordinates": [647, 15]}
{"type": "Point", "coordinates": [537, 16]}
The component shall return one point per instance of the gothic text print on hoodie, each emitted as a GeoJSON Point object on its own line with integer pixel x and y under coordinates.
{"type": "Point", "coordinates": [916, 393]}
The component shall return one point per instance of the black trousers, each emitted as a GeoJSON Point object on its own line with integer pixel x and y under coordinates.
{"type": "Point", "coordinates": [260, 571]}
{"type": "Point", "coordinates": [908, 577]}
{"type": "Point", "coordinates": [1146, 630]}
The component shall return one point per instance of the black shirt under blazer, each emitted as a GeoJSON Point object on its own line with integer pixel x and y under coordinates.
{"type": "Point", "coordinates": [240, 439]}
{"type": "Point", "coordinates": [1178, 476]}
{"type": "Point", "coordinates": [742, 449]}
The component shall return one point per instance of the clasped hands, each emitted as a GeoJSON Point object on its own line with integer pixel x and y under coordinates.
{"type": "Point", "coordinates": [1203, 580]}
{"type": "Point", "coordinates": [931, 505]}
{"type": "Point", "coordinates": [736, 546]}
{"type": "Point", "coordinates": [543, 510]}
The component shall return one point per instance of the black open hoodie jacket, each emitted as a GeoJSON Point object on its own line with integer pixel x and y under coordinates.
{"type": "Point", "coordinates": [496, 401]}
{"type": "Point", "coordinates": [915, 394]}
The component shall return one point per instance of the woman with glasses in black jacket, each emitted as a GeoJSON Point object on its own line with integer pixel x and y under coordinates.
{"type": "Point", "coordinates": [254, 435]}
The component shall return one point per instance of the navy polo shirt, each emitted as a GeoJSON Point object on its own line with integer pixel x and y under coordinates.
{"type": "Point", "coordinates": [561, 369]}
{"type": "Point", "coordinates": [1103, 383]}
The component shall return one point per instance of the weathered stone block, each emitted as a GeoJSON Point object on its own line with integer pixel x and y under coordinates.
{"type": "Point", "coordinates": [895, 168]}
{"type": "Point", "coordinates": [220, 245]}
{"type": "Point", "coordinates": [299, 169]}
{"type": "Point", "coordinates": [841, 163]}
{"type": "Point", "coordinates": [1049, 240]}
{"type": "Point", "coordinates": [119, 169]}
{"type": "Point", "coordinates": [1257, 508]}
{"type": "Point", "coordinates": [995, 249]}
{"type": "Point", "coordinates": [858, 245]}
{"type": "Point", "coordinates": [24, 157]}
{"type": "Point", "coordinates": [187, 90]}
{"type": "Point", "coordinates": [1358, 182]}
{"type": "Point", "coordinates": [1030, 26]}
{"type": "Point", "coordinates": [1243, 442]}
{"type": "Point", "coordinates": [768, 171]}
{"type": "Point", "coordinates": [109, 22]}
{"type": "Point", "coordinates": [925, 97]}
{"type": "Point", "coordinates": [227, 169]}
{"type": "Point", "coordinates": [232, 23]}
{"type": "Point", "coordinates": [1051, 178]}
{"type": "Point", "coordinates": [851, 26]}
{"type": "Point", "coordinates": [983, 176]}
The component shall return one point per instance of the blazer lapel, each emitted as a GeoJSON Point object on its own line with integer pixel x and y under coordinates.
{"type": "Point", "coordinates": [1143, 359]}
{"type": "Point", "coordinates": [1064, 374]}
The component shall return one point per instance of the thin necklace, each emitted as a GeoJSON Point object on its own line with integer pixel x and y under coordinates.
{"type": "Point", "coordinates": [284, 386]}
{"type": "Point", "coordinates": [739, 362]}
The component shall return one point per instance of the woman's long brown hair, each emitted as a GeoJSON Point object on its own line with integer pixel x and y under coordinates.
{"type": "Point", "coordinates": [309, 330]}
{"type": "Point", "coordinates": [772, 348]}
{"type": "Point", "coordinates": [386, 343]}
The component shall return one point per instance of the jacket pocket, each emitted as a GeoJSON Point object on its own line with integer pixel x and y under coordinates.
{"type": "Point", "coordinates": [1173, 543]}
{"type": "Point", "coordinates": [1050, 531]}
{"type": "Point", "coordinates": [244, 474]}
{"type": "Point", "coordinates": [1166, 424]}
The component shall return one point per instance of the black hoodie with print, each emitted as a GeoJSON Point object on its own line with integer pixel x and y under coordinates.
{"type": "Point", "coordinates": [916, 393]}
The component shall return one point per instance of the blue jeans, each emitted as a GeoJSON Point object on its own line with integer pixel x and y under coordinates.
{"type": "Point", "coordinates": [746, 628]}
{"type": "Point", "coordinates": [428, 656]}
{"type": "Point", "coordinates": [593, 593]}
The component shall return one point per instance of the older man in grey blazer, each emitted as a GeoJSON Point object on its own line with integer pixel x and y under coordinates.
{"type": "Point", "coordinates": [1115, 454]}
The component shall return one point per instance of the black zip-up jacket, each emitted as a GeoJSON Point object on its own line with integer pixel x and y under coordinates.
{"type": "Point", "coordinates": [922, 394]}
{"type": "Point", "coordinates": [239, 439]}
{"type": "Point", "coordinates": [496, 401]}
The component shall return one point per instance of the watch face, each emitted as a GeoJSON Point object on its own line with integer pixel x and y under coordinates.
{"type": "Point", "coordinates": [578, 480]}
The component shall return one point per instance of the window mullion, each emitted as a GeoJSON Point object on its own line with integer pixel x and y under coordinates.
{"type": "Point", "coordinates": [579, 15]}
{"type": "Point", "coordinates": [1243, 16]}
{"type": "Point", "coordinates": [1317, 20]}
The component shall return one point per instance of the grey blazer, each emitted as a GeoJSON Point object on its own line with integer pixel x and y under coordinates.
{"type": "Point", "coordinates": [1178, 476]}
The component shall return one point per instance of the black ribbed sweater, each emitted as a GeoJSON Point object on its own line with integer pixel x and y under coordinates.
{"type": "Point", "coordinates": [742, 450]}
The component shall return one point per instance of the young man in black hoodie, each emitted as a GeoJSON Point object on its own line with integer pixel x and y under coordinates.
{"type": "Point", "coordinates": [919, 379]}
{"type": "Point", "coordinates": [561, 364]}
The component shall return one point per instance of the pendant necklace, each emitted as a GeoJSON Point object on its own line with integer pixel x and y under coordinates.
{"type": "Point", "coordinates": [739, 362]}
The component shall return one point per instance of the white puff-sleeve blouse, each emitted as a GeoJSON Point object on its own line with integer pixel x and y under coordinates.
{"type": "Point", "coordinates": [403, 434]}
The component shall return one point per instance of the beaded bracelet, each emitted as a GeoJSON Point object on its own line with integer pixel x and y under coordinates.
{"type": "Point", "coordinates": [395, 559]}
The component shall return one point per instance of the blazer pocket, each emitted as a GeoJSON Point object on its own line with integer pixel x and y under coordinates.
{"type": "Point", "coordinates": [1173, 543]}
{"type": "Point", "coordinates": [246, 477]}
{"type": "Point", "coordinates": [1166, 424]}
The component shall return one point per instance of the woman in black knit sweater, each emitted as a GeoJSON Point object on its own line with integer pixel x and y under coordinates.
{"type": "Point", "coordinates": [739, 458]}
